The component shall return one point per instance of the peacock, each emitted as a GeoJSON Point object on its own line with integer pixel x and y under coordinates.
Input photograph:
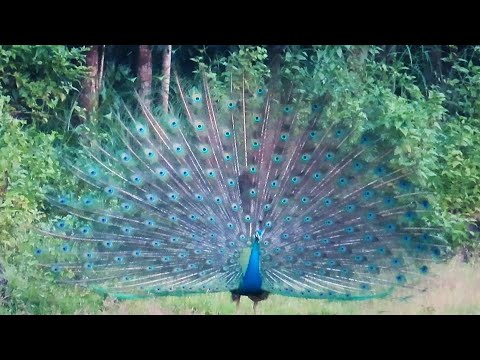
{"type": "Point", "coordinates": [254, 191]}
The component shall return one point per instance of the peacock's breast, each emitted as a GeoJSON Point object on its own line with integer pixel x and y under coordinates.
{"type": "Point", "coordinates": [252, 278]}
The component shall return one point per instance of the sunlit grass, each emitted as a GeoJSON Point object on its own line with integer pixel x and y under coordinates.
{"type": "Point", "coordinates": [454, 289]}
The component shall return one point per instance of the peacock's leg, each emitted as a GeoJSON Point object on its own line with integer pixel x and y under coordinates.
{"type": "Point", "coordinates": [236, 298]}
{"type": "Point", "coordinates": [257, 298]}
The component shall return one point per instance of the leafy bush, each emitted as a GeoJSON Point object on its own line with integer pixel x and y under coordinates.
{"type": "Point", "coordinates": [41, 81]}
{"type": "Point", "coordinates": [28, 166]}
{"type": "Point", "coordinates": [38, 86]}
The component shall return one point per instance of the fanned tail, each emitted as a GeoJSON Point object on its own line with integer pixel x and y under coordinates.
{"type": "Point", "coordinates": [174, 201]}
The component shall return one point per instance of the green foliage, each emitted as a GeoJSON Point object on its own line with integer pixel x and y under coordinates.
{"type": "Point", "coordinates": [28, 165]}
{"type": "Point", "coordinates": [423, 127]}
{"type": "Point", "coordinates": [459, 160]}
{"type": "Point", "coordinates": [31, 289]}
{"type": "Point", "coordinates": [40, 80]}
{"type": "Point", "coordinates": [432, 128]}
{"type": "Point", "coordinates": [247, 64]}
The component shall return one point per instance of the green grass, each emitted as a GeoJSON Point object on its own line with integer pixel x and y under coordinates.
{"type": "Point", "coordinates": [455, 289]}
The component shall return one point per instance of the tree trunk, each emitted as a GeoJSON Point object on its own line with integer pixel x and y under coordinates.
{"type": "Point", "coordinates": [436, 55]}
{"type": "Point", "coordinates": [166, 68]}
{"type": "Point", "coordinates": [392, 53]}
{"type": "Point", "coordinates": [358, 55]}
{"type": "Point", "coordinates": [145, 72]}
{"type": "Point", "coordinates": [89, 95]}
{"type": "Point", "coordinates": [101, 69]}
{"type": "Point", "coordinates": [275, 54]}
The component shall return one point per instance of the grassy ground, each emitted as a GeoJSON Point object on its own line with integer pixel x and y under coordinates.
{"type": "Point", "coordinates": [455, 289]}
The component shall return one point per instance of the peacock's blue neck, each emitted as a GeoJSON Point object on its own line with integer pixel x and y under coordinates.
{"type": "Point", "coordinates": [252, 279]}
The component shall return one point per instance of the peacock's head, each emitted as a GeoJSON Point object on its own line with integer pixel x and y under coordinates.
{"type": "Point", "coordinates": [259, 233]}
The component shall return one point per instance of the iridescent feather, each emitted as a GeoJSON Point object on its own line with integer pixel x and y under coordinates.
{"type": "Point", "coordinates": [254, 192]}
